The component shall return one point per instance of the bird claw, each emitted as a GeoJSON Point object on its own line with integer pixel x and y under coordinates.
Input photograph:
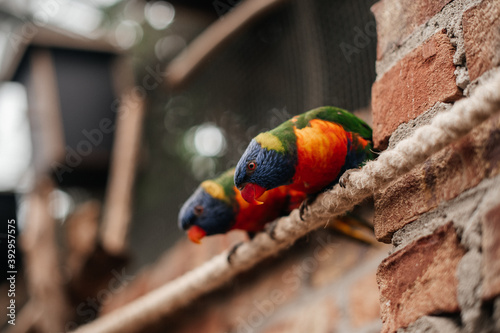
{"type": "Point", "coordinates": [302, 209]}
{"type": "Point", "coordinates": [232, 252]}
{"type": "Point", "coordinates": [305, 204]}
{"type": "Point", "coordinates": [344, 179]}
{"type": "Point", "coordinates": [270, 228]}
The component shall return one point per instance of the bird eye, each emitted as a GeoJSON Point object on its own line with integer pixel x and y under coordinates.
{"type": "Point", "coordinates": [251, 166]}
{"type": "Point", "coordinates": [198, 210]}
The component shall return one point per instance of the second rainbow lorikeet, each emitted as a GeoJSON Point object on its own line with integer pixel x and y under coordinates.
{"type": "Point", "coordinates": [309, 152]}
{"type": "Point", "coordinates": [217, 207]}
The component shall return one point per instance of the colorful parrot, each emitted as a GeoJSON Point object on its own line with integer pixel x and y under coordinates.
{"type": "Point", "coordinates": [217, 207]}
{"type": "Point", "coordinates": [309, 152]}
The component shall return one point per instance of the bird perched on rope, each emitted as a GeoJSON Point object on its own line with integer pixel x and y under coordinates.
{"type": "Point", "coordinates": [309, 152]}
{"type": "Point", "coordinates": [217, 207]}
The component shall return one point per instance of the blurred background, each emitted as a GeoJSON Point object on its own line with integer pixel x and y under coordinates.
{"type": "Point", "coordinates": [113, 111]}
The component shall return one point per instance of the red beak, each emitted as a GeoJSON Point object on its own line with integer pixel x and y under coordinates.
{"type": "Point", "coordinates": [195, 234]}
{"type": "Point", "coordinates": [252, 191]}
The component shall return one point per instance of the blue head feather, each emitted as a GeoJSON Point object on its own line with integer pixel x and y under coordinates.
{"type": "Point", "coordinates": [273, 168]}
{"type": "Point", "coordinates": [216, 216]}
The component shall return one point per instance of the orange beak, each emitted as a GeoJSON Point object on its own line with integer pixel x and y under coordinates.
{"type": "Point", "coordinates": [195, 234]}
{"type": "Point", "coordinates": [252, 191]}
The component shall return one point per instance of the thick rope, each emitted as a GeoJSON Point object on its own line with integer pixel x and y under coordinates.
{"type": "Point", "coordinates": [375, 175]}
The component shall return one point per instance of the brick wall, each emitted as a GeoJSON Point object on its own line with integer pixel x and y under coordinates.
{"type": "Point", "coordinates": [442, 218]}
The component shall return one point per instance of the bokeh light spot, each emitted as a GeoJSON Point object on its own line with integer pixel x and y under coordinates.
{"type": "Point", "coordinates": [159, 14]}
{"type": "Point", "coordinates": [128, 33]}
{"type": "Point", "coordinates": [209, 140]}
{"type": "Point", "coordinates": [61, 204]}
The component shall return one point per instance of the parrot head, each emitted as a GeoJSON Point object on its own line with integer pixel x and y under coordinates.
{"type": "Point", "coordinates": [203, 214]}
{"type": "Point", "coordinates": [263, 166]}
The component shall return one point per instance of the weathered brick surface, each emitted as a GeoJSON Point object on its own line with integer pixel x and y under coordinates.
{"type": "Point", "coordinates": [432, 324]}
{"type": "Point", "coordinates": [491, 253]}
{"type": "Point", "coordinates": [364, 304]}
{"type": "Point", "coordinates": [397, 19]}
{"type": "Point", "coordinates": [420, 279]}
{"type": "Point", "coordinates": [442, 177]}
{"type": "Point", "coordinates": [419, 80]}
{"type": "Point", "coordinates": [481, 25]}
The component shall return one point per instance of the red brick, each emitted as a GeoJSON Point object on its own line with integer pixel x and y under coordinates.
{"type": "Point", "coordinates": [364, 306]}
{"type": "Point", "coordinates": [420, 279]}
{"type": "Point", "coordinates": [397, 19]}
{"type": "Point", "coordinates": [491, 253]}
{"type": "Point", "coordinates": [481, 25]}
{"type": "Point", "coordinates": [442, 177]}
{"type": "Point", "coordinates": [418, 81]}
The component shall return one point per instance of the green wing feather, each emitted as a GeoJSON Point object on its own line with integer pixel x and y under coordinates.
{"type": "Point", "coordinates": [226, 180]}
{"type": "Point", "coordinates": [350, 122]}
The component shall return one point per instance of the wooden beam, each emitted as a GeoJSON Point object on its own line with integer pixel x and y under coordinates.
{"type": "Point", "coordinates": [44, 278]}
{"type": "Point", "coordinates": [45, 112]}
{"type": "Point", "coordinates": [182, 68]}
{"type": "Point", "coordinates": [118, 202]}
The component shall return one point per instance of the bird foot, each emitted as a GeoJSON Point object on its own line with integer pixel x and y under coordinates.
{"type": "Point", "coordinates": [251, 235]}
{"type": "Point", "coordinates": [344, 179]}
{"type": "Point", "coordinates": [232, 252]}
{"type": "Point", "coordinates": [270, 228]}
{"type": "Point", "coordinates": [305, 205]}
{"type": "Point", "coordinates": [302, 209]}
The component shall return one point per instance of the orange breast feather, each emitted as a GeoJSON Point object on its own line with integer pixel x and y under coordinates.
{"type": "Point", "coordinates": [321, 152]}
{"type": "Point", "coordinates": [277, 201]}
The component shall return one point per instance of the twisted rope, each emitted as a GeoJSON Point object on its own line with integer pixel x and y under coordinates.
{"type": "Point", "coordinates": [375, 175]}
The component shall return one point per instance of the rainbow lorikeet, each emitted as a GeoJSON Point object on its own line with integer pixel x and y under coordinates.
{"type": "Point", "coordinates": [217, 207]}
{"type": "Point", "coordinates": [309, 152]}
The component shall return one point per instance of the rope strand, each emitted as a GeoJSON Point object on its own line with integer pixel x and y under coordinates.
{"type": "Point", "coordinates": [375, 175]}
